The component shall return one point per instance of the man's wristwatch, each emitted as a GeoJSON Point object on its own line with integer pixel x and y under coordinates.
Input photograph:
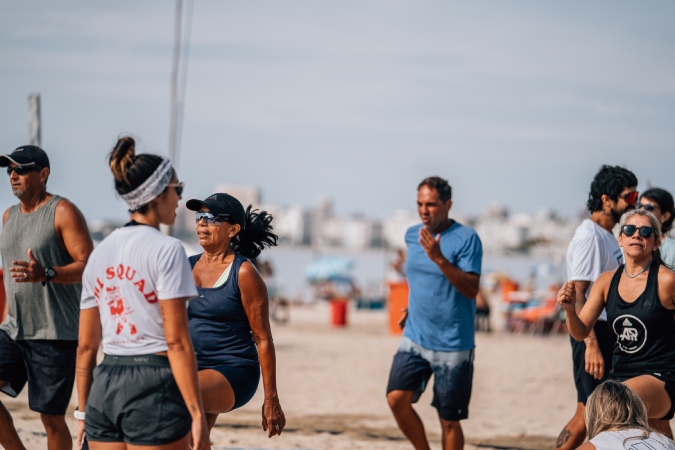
{"type": "Point", "coordinates": [50, 274]}
{"type": "Point", "coordinates": [79, 415]}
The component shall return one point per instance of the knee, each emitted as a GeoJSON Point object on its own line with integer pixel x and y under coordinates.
{"type": "Point", "coordinates": [53, 422]}
{"type": "Point", "coordinates": [398, 400]}
{"type": "Point", "coordinates": [449, 426]}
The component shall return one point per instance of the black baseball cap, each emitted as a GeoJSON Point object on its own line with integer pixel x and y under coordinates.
{"type": "Point", "coordinates": [25, 155]}
{"type": "Point", "coordinates": [222, 205]}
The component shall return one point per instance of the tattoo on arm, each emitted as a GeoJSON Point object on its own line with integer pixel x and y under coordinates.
{"type": "Point", "coordinates": [565, 436]}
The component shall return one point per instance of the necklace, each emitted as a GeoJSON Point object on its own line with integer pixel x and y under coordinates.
{"type": "Point", "coordinates": [642, 271]}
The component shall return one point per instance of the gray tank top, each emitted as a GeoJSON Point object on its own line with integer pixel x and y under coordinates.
{"type": "Point", "coordinates": [35, 311]}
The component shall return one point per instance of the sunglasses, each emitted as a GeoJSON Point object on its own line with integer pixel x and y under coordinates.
{"type": "Point", "coordinates": [630, 197]}
{"type": "Point", "coordinates": [647, 207]}
{"type": "Point", "coordinates": [23, 170]}
{"type": "Point", "coordinates": [209, 219]}
{"type": "Point", "coordinates": [645, 232]}
{"type": "Point", "coordinates": [178, 187]}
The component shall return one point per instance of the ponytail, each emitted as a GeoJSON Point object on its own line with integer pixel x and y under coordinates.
{"type": "Point", "coordinates": [255, 235]}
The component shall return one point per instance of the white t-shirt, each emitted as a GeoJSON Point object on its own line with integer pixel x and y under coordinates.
{"type": "Point", "coordinates": [593, 250]}
{"type": "Point", "coordinates": [616, 440]}
{"type": "Point", "coordinates": [126, 276]}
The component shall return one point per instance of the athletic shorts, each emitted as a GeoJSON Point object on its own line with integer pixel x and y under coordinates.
{"type": "Point", "coordinates": [584, 382]}
{"type": "Point", "coordinates": [243, 379]}
{"type": "Point", "coordinates": [135, 399]}
{"type": "Point", "coordinates": [47, 365]}
{"type": "Point", "coordinates": [453, 375]}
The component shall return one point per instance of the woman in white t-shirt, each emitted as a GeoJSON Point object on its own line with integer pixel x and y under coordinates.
{"type": "Point", "coordinates": [616, 418]}
{"type": "Point", "coordinates": [134, 292]}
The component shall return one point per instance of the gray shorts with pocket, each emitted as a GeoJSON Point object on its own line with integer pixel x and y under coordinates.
{"type": "Point", "coordinates": [135, 399]}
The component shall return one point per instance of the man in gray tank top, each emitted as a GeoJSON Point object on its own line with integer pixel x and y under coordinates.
{"type": "Point", "coordinates": [44, 246]}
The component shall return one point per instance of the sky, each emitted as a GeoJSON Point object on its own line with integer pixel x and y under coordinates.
{"type": "Point", "coordinates": [516, 103]}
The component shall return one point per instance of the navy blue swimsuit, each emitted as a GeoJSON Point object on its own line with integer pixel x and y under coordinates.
{"type": "Point", "coordinates": [221, 334]}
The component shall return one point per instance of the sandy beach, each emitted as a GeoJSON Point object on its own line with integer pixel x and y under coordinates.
{"type": "Point", "coordinates": [332, 388]}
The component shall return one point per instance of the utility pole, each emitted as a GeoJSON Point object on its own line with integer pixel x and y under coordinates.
{"type": "Point", "coordinates": [34, 124]}
{"type": "Point", "coordinates": [181, 49]}
{"type": "Point", "coordinates": [173, 126]}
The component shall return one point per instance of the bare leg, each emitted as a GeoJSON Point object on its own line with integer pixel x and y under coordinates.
{"type": "Point", "coordinates": [653, 392]}
{"type": "Point", "coordinates": [217, 394]}
{"type": "Point", "coordinates": [407, 419]}
{"type": "Point", "coordinates": [58, 435]}
{"type": "Point", "coordinates": [574, 433]}
{"type": "Point", "coordinates": [211, 420]}
{"type": "Point", "coordinates": [662, 426]}
{"type": "Point", "coordinates": [9, 438]}
{"type": "Point", "coordinates": [453, 436]}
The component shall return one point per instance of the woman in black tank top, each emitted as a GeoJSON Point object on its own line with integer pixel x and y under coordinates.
{"type": "Point", "coordinates": [640, 302]}
{"type": "Point", "coordinates": [229, 321]}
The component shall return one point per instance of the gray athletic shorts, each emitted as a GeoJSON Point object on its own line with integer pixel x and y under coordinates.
{"type": "Point", "coordinates": [453, 375]}
{"type": "Point", "coordinates": [135, 399]}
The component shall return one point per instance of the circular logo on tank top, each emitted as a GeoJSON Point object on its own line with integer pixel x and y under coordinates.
{"type": "Point", "coordinates": [631, 333]}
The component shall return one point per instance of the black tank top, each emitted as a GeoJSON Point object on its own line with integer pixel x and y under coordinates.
{"type": "Point", "coordinates": [219, 327]}
{"type": "Point", "coordinates": [644, 329]}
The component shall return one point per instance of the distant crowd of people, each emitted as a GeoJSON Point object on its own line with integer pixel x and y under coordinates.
{"type": "Point", "coordinates": [186, 339]}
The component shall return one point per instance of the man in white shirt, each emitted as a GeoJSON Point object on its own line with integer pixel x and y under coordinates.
{"type": "Point", "coordinates": [594, 249]}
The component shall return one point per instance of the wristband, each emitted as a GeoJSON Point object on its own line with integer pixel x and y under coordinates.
{"type": "Point", "coordinates": [79, 415]}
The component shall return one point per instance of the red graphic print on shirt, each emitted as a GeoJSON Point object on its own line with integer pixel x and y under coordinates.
{"type": "Point", "coordinates": [119, 309]}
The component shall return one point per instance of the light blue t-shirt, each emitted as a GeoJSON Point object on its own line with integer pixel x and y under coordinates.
{"type": "Point", "coordinates": [439, 317]}
{"type": "Point", "coordinates": [668, 251]}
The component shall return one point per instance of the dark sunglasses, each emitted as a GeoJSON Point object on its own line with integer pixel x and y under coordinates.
{"type": "Point", "coordinates": [645, 232]}
{"type": "Point", "coordinates": [178, 187]}
{"type": "Point", "coordinates": [647, 207]}
{"type": "Point", "coordinates": [23, 170]}
{"type": "Point", "coordinates": [209, 219]}
{"type": "Point", "coordinates": [630, 197]}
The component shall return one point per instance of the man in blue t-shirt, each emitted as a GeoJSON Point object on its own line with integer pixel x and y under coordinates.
{"type": "Point", "coordinates": [443, 267]}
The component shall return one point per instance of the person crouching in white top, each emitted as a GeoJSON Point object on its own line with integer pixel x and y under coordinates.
{"type": "Point", "coordinates": [134, 292]}
{"type": "Point", "coordinates": [616, 418]}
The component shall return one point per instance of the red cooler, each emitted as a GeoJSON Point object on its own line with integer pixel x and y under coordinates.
{"type": "Point", "coordinates": [338, 312]}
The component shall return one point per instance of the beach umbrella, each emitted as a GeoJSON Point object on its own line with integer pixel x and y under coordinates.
{"type": "Point", "coordinates": [330, 268]}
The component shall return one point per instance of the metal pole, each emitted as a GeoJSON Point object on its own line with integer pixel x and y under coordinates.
{"type": "Point", "coordinates": [174, 80]}
{"type": "Point", "coordinates": [34, 125]}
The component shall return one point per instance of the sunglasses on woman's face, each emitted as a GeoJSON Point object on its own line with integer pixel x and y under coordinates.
{"type": "Point", "coordinates": [645, 232]}
{"type": "Point", "coordinates": [178, 187]}
{"type": "Point", "coordinates": [209, 219]}
{"type": "Point", "coordinates": [647, 207]}
{"type": "Point", "coordinates": [23, 170]}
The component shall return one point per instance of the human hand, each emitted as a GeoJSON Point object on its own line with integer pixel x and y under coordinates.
{"type": "Point", "coordinates": [431, 245]}
{"type": "Point", "coordinates": [273, 419]}
{"type": "Point", "coordinates": [404, 317]}
{"type": "Point", "coordinates": [200, 434]}
{"type": "Point", "coordinates": [567, 297]}
{"type": "Point", "coordinates": [27, 271]}
{"type": "Point", "coordinates": [80, 434]}
{"type": "Point", "coordinates": [595, 365]}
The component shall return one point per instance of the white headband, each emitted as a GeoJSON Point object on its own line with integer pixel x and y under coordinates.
{"type": "Point", "coordinates": [151, 188]}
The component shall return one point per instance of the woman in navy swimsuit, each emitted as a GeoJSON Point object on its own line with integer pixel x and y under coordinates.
{"type": "Point", "coordinates": [229, 321]}
{"type": "Point", "coordinates": [640, 302]}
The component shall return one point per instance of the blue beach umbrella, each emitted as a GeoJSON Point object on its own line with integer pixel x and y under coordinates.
{"type": "Point", "coordinates": [330, 268]}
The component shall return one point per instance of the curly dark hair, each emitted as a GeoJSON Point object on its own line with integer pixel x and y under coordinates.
{"type": "Point", "coordinates": [255, 235]}
{"type": "Point", "coordinates": [611, 181]}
